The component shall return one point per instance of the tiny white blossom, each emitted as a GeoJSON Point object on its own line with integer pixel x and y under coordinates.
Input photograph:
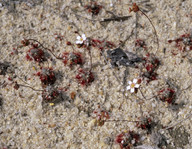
{"type": "Point", "coordinates": [81, 39]}
{"type": "Point", "coordinates": [133, 85]}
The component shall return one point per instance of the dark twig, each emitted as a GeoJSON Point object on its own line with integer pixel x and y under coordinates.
{"type": "Point", "coordinates": [123, 18]}
{"type": "Point", "coordinates": [116, 18]}
{"type": "Point", "coordinates": [142, 94]}
{"type": "Point", "coordinates": [113, 18]}
{"type": "Point", "coordinates": [136, 24]}
{"type": "Point", "coordinates": [121, 121]}
{"type": "Point", "coordinates": [126, 72]}
{"type": "Point", "coordinates": [22, 80]}
{"type": "Point", "coordinates": [127, 38]}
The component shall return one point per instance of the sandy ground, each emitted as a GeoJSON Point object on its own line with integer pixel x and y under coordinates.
{"type": "Point", "coordinates": [26, 121]}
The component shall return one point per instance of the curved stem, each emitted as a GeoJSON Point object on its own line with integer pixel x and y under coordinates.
{"type": "Point", "coordinates": [152, 97]}
{"type": "Point", "coordinates": [41, 45]}
{"type": "Point", "coordinates": [90, 59]}
{"type": "Point", "coordinates": [30, 87]}
{"type": "Point", "coordinates": [152, 26]}
{"type": "Point", "coordinates": [142, 94]}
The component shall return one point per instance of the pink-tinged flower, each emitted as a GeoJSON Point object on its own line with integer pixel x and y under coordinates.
{"type": "Point", "coordinates": [133, 85]}
{"type": "Point", "coordinates": [81, 39]}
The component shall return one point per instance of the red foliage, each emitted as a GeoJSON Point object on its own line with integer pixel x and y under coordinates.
{"type": "Point", "coordinates": [25, 42]}
{"type": "Point", "coordinates": [134, 8]}
{"type": "Point", "coordinates": [14, 52]}
{"type": "Point", "coordinates": [93, 8]}
{"type": "Point", "coordinates": [150, 64]}
{"type": "Point", "coordinates": [59, 36]}
{"type": "Point", "coordinates": [50, 94]}
{"type": "Point", "coordinates": [68, 43]}
{"type": "Point", "coordinates": [16, 86]}
{"type": "Point", "coordinates": [183, 43]}
{"type": "Point", "coordinates": [47, 76]}
{"type": "Point", "coordinates": [84, 77]}
{"type": "Point", "coordinates": [10, 79]}
{"type": "Point", "coordinates": [101, 116]}
{"type": "Point", "coordinates": [72, 58]}
{"type": "Point", "coordinates": [127, 139]}
{"type": "Point", "coordinates": [167, 95]}
{"type": "Point", "coordinates": [101, 44]}
{"type": "Point", "coordinates": [145, 124]}
{"type": "Point", "coordinates": [140, 44]}
{"type": "Point", "coordinates": [35, 54]}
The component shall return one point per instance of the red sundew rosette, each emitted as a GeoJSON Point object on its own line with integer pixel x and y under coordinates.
{"type": "Point", "coordinates": [167, 95]}
{"type": "Point", "coordinates": [72, 58]}
{"type": "Point", "coordinates": [125, 139]}
{"type": "Point", "coordinates": [50, 96]}
{"type": "Point", "coordinates": [101, 117]}
{"type": "Point", "coordinates": [48, 77]}
{"type": "Point", "coordinates": [144, 124]}
{"type": "Point", "coordinates": [93, 8]}
{"type": "Point", "coordinates": [35, 54]}
{"type": "Point", "coordinates": [84, 77]}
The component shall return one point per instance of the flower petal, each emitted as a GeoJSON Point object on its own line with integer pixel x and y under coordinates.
{"type": "Point", "coordinates": [79, 42]}
{"type": "Point", "coordinates": [137, 85]}
{"type": "Point", "coordinates": [78, 37]}
{"type": "Point", "coordinates": [130, 82]}
{"type": "Point", "coordinates": [84, 37]}
{"type": "Point", "coordinates": [135, 81]}
{"type": "Point", "coordinates": [128, 87]}
{"type": "Point", "coordinates": [132, 90]}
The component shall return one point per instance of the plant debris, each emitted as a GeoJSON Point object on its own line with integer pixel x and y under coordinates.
{"type": "Point", "coordinates": [119, 57]}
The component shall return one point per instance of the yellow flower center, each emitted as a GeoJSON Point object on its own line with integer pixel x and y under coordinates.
{"type": "Point", "coordinates": [81, 39]}
{"type": "Point", "coordinates": [132, 85]}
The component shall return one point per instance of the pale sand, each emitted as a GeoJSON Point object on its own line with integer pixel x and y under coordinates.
{"type": "Point", "coordinates": [26, 123]}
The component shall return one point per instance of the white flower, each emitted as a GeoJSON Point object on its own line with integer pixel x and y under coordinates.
{"type": "Point", "coordinates": [133, 85]}
{"type": "Point", "coordinates": [81, 39]}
